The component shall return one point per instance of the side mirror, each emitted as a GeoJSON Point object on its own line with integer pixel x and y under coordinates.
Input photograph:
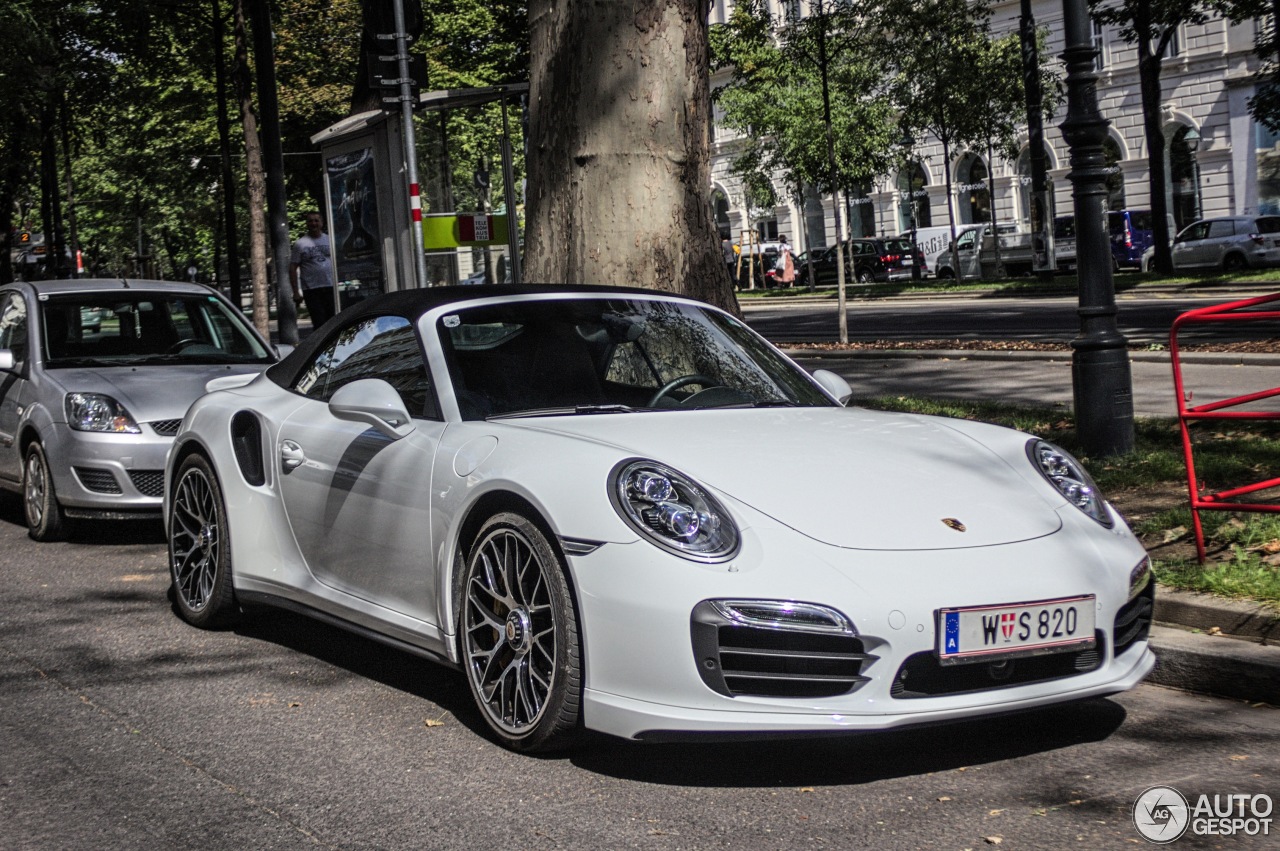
{"type": "Point", "coordinates": [833, 384]}
{"type": "Point", "coordinates": [7, 361]}
{"type": "Point", "coordinates": [373, 402]}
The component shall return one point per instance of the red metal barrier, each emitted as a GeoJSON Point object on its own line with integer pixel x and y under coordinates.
{"type": "Point", "coordinates": [1202, 499]}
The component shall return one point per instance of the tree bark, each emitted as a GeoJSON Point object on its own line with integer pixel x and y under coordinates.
{"type": "Point", "coordinates": [1149, 82]}
{"type": "Point", "coordinates": [256, 176]}
{"type": "Point", "coordinates": [618, 162]}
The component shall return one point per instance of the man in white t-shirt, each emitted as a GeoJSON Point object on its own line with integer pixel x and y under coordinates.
{"type": "Point", "coordinates": [311, 271]}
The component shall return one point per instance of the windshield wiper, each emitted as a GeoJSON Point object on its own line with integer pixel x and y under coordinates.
{"type": "Point", "coordinates": [566, 410]}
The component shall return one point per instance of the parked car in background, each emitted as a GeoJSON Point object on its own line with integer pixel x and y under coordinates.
{"type": "Point", "coordinates": [626, 511]}
{"type": "Point", "coordinates": [1131, 235]}
{"type": "Point", "coordinates": [97, 375]}
{"type": "Point", "coordinates": [866, 261]}
{"type": "Point", "coordinates": [975, 249]}
{"type": "Point", "coordinates": [1064, 243]}
{"type": "Point", "coordinates": [1230, 243]}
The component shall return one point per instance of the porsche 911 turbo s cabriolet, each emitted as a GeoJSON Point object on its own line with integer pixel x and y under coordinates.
{"type": "Point", "coordinates": [626, 511]}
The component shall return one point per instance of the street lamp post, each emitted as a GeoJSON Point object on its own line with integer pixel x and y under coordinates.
{"type": "Point", "coordinates": [1103, 385]}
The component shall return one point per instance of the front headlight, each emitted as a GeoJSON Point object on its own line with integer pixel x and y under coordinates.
{"type": "Point", "coordinates": [1069, 477]}
{"type": "Point", "coordinates": [673, 511]}
{"type": "Point", "coordinates": [99, 412]}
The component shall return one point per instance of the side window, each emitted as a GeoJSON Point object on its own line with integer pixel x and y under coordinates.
{"type": "Point", "coordinates": [1195, 232]}
{"type": "Point", "coordinates": [965, 242]}
{"type": "Point", "coordinates": [383, 347]}
{"type": "Point", "coordinates": [13, 326]}
{"type": "Point", "coordinates": [1221, 228]}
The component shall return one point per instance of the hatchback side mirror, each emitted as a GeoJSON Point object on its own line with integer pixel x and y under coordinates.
{"type": "Point", "coordinates": [833, 384]}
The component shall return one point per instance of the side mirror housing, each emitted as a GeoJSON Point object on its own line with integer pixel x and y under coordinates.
{"type": "Point", "coordinates": [833, 384]}
{"type": "Point", "coordinates": [373, 402]}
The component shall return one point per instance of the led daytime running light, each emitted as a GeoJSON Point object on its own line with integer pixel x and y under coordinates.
{"type": "Point", "coordinates": [1069, 477]}
{"type": "Point", "coordinates": [673, 511]}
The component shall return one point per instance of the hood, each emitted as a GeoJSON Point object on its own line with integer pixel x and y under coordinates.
{"type": "Point", "coordinates": [844, 476]}
{"type": "Point", "coordinates": [149, 393]}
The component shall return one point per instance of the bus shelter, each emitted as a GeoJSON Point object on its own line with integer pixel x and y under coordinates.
{"type": "Point", "coordinates": [368, 203]}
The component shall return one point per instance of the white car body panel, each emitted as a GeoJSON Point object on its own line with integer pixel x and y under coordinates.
{"type": "Point", "coordinates": [843, 508]}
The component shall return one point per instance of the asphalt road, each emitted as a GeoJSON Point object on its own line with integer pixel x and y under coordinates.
{"type": "Point", "coordinates": [121, 727]}
{"type": "Point", "coordinates": [1143, 319]}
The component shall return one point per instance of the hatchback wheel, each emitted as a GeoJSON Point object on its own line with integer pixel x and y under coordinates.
{"type": "Point", "coordinates": [40, 502]}
{"type": "Point", "coordinates": [518, 636]}
{"type": "Point", "coordinates": [200, 547]}
{"type": "Point", "coordinates": [1233, 263]}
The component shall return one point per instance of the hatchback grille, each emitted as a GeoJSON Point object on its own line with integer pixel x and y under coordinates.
{"type": "Point", "coordinates": [922, 676]}
{"type": "Point", "coordinates": [98, 481]}
{"type": "Point", "coordinates": [781, 660]}
{"type": "Point", "coordinates": [148, 482]}
{"type": "Point", "coordinates": [165, 428]}
{"type": "Point", "coordinates": [1133, 621]}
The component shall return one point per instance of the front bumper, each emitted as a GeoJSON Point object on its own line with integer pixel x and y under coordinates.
{"type": "Point", "coordinates": [642, 678]}
{"type": "Point", "coordinates": [107, 475]}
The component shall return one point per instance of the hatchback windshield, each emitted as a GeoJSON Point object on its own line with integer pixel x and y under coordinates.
{"type": "Point", "coordinates": [587, 356]}
{"type": "Point", "coordinates": [106, 329]}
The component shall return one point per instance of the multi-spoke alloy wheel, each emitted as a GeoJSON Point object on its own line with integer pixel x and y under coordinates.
{"type": "Point", "coordinates": [40, 503]}
{"type": "Point", "coordinates": [199, 552]}
{"type": "Point", "coordinates": [519, 635]}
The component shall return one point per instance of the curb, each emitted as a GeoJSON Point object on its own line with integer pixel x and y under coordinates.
{"type": "Point", "coordinates": [857, 293]}
{"type": "Point", "coordinates": [1242, 663]}
{"type": "Point", "coordinates": [1218, 358]}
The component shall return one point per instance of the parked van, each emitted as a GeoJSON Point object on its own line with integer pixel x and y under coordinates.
{"type": "Point", "coordinates": [1131, 235]}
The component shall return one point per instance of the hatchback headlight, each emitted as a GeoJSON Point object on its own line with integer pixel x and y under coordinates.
{"type": "Point", "coordinates": [673, 511]}
{"type": "Point", "coordinates": [99, 412]}
{"type": "Point", "coordinates": [1069, 477]}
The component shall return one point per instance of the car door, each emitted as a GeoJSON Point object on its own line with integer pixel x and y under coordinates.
{"type": "Point", "coordinates": [14, 387]}
{"type": "Point", "coordinates": [1188, 246]}
{"type": "Point", "coordinates": [358, 501]}
{"type": "Point", "coordinates": [1218, 240]}
{"type": "Point", "coordinates": [967, 249]}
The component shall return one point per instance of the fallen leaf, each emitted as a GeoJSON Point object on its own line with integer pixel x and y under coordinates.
{"type": "Point", "coordinates": [806, 788]}
{"type": "Point", "coordinates": [945, 798]}
{"type": "Point", "coordinates": [994, 812]}
{"type": "Point", "coordinates": [1214, 630]}
{"type": "Point", "coordinates": [1077, 802]}
{"type": "Point", "coordinates": [433, 722]}
{"type": "Point", "coordinates": [1238, 758]}
{"type": "Point", "coordinates": [293, 704]}
{"type": "Point", "coordinates": [992, 840]}
{"type": "Point", "coordinates": [1171, 535]}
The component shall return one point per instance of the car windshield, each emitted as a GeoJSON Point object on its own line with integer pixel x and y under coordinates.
{"type": "Point", "coordinates": [576, 355]}
{"type": "Point", "coordinates": [133, 328]}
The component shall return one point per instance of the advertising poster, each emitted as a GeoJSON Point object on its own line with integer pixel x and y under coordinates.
{"type": "Point", "coordinates": [357, 249]}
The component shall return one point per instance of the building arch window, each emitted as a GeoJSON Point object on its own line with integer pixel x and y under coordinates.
{"type": "Point", "coordinates": [862, 212]}
{"type": "Point", "coordinates": [1267, 150]}
{"type": "Point", "coordinates": [971, 190]}
{"type": "Point", "coordinates": [913, 197]}
{"type": "Point", "coordinates": [720, 211]}
{"type": "Point", "coordinates": [1184, 173]}
{"type": "Point", "coordinates": [1113, 154]}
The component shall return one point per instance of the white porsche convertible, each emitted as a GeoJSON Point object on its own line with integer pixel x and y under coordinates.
{"type": "Point", "coordinates": [625, 511]}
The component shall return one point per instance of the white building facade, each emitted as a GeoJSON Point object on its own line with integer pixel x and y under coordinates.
{"type": "Point", "coordinates": [1219, 160]}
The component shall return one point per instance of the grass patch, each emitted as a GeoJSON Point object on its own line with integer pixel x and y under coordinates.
{"type": "Point", "coordinates": [1149, 486]}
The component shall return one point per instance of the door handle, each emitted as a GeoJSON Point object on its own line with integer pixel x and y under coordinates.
{"type": "Point", "coordinates": [291, 455]}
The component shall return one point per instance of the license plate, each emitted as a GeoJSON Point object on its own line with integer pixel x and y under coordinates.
{"type": "Point", "coordinates": [979, 633]}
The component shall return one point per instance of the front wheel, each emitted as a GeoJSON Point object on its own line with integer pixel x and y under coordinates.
{"type": "Point", "coordinates": [518, 636]}
{"type": "Point", "coordinates": [39, 500]}
{"type": "Point", "coordinates": [200, 547]}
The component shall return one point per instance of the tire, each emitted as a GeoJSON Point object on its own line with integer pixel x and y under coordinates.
{"type": "Point", "coordinates": [1234, 263]}
{"type": "Point", "coordinates": [45, 520]}
{"type": "Point", "coordinates": [518, 636]}
{"type": "Point", "coordinates": [864, 276]}
{"type": "Point", "coordinates": [200, 548]}
{"type": "Point", "coordinates": [946, 273]}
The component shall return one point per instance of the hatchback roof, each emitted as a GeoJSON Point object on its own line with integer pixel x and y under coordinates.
{"type": "Point", "coordinates": [97, 285]}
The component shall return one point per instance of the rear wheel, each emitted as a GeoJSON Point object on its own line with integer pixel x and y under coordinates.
{"type": "Point", "coordinates": [946, 274]}
{"type": "Point", "coordinates": [864, 276]}
{"type": "Point", "coordinates": [200, 547]}
{"type": "Point", "coordinates": [1233, 262]}
{"type": "Point", "coordinates": [518, 636]}
{"type": "Point", "coordinates": [45, 520]}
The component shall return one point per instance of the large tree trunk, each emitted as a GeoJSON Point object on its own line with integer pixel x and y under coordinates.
{"type": "Point", "coordinates": [257, 178]}
{"type": "Point", "coordinates": [619, 176]}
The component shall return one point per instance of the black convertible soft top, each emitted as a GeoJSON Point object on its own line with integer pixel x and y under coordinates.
{"type": "Point", "coordinates": [411, 304]}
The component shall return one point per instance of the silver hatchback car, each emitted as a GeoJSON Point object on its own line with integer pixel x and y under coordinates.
{"type": "Point", "coordinates": [95, 377]}
{"type": "Point", "coordinates": [1231, 243]}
